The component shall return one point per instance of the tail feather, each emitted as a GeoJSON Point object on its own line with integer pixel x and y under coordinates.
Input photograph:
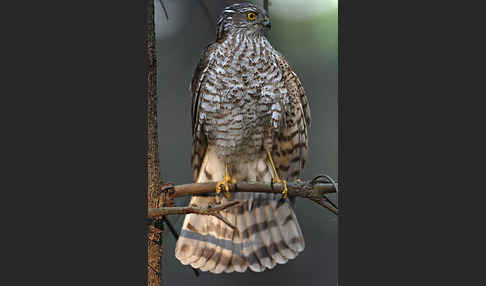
{"type": "Point", "coordinates": [211, 252]}
{"type": "Point", "coordinates": [250, 250]}
{"type": "Point", "coordinates": [187, 252]}
{"type": "Point", "coordinates": [265, 237]}
{"type": "Point", "coordinates": [274, 233]}
{"type": "Point", "coordinates": [226, 251]}
{"type": "Point", "coordinates": [203, 244]}
{"type": "Point", "coordinates": [267, 233]}
{"type": "Point", "coordinates": [230, 216]}
{"type": "Point", "coordinates": [281, 243]}
{"type": "Point", "coordinates": [217, 230]}
{"type": "Point", "coordinates": [289, 227]}
{"type": "Point", "coordinates": [240, 264]}
{"type": "Point", "coordinates": [191, 246]}
{"type": "Point", "coordinates": [198, 224]}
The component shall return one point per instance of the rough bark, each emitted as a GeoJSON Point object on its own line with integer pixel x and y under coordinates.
{"type": "Point", "coordinates": [155, 200]}
{"type": "Point", "coordinates": [314, 190]}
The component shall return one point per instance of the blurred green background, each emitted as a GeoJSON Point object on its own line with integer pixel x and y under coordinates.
{"type": "Point", "coordinates": [306, 33]}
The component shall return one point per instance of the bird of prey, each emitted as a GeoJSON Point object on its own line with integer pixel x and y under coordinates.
{"type": "Point", "coordinates": [249, 123]}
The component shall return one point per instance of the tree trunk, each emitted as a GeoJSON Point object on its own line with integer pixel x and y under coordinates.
{"type": "Point", "coordinates": [154, 234]}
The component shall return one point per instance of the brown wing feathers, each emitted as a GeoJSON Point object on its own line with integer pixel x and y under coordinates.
{"type": "Point", "coordinates": [199, 144]}
{"type": "Point", "coordinates": [291, 143]}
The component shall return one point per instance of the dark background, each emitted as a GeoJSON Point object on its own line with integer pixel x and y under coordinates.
{"type": "Point", "coordinates": [74, 181]}
{"type": "Point", "coordinates": [307, 36]}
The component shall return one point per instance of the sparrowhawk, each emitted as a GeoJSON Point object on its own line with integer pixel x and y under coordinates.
{"type": "Point", "coordinates": [249, 123]}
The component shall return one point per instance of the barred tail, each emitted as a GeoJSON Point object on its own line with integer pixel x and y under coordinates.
{"type": "Point", "coordinates": [267, 233]}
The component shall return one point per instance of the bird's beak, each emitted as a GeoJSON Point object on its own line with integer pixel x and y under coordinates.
{"type": "Point", "coordinates": [266, 22]}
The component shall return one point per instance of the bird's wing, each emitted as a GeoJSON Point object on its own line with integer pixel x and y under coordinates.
{"type": "Point", "coordinates": [290, 146]}
{"type": "Point", "coordinates": [199, 140]}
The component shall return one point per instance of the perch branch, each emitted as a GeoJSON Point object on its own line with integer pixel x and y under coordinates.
{"type": "Point", "coordinates": [212, 210]}
{"type": "Point", "coordinates": [296, 189]}
{"type": "Point", "coordinates": [314, 190]}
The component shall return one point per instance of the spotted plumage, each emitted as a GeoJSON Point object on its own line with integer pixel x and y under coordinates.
{"type": "Point", "coordinates": [245, 99]}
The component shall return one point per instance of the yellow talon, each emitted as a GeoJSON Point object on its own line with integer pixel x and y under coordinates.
{"type": "Point", "coordinates": [276, 178]}
{"type": "Point", "coordinates": [223, 184]}
{"type": "Point", "coordinates": [285, 190]}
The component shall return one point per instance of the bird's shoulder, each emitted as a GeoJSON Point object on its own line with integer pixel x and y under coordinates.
{"type": "Point", "coordinates": [201, 65]}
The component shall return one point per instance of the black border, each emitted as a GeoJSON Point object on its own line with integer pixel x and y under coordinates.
{"type": "Point", "coordinates": [76, 172]}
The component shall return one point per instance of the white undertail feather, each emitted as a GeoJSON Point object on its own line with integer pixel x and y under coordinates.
{"type": "Point", "coordinates": [267, 231]}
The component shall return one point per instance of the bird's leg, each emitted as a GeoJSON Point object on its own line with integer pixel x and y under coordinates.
{"type": "Point", "coordinates": [223, 184]}
{"type": "Point", "coordinates": [276, 178]}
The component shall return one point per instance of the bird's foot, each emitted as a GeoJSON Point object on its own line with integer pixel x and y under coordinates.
{"type": "Point", "coordinates": [285, 190]}
{"type": "Point", "coordinates": [224, 184]}
{"type": "Point", "coordinates": [276, 178]}
{"type": "Point", "coordinates": [284, 183]}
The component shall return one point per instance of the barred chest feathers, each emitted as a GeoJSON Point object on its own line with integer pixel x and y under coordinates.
{"type": "Point", "coordinates": [241, 97]}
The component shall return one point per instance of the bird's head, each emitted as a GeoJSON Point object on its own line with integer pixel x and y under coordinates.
{"type": "Point", "coordinates": [242, 18]}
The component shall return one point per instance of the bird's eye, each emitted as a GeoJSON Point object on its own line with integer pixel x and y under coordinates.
{"type": "Point", "coordinates": [251, 16]}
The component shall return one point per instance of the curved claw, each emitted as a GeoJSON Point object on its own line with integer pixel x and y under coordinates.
{"type": "Point", "coordinates": [226, 188]}
{"type": "Point", "coordinates": [284, 184]}
{"type": "Point", "coordinates": [285, 190]}
{"type": "Point", "coordinates": [223, 184]}
{"type": "Point", "coordinates": [219, 187]}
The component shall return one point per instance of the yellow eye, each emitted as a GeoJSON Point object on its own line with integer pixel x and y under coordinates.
{"type": "Point", "coordinates": [251, 16]}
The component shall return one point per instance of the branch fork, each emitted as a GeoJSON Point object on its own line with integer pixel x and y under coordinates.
{"type": "Point", "coordinates": [213, 210]}
{"type": "Point", "coordinates": [315, 190]}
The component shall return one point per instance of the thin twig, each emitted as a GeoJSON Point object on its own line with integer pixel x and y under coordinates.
{"type": "Point", "coordinates": [165, 9]}
{"type": "Point", "coordinates": [212, 210]}
{"type": "Point", "coordinates": [328, 179]}
{"type": "Point", "coordinates": [171, 227]}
